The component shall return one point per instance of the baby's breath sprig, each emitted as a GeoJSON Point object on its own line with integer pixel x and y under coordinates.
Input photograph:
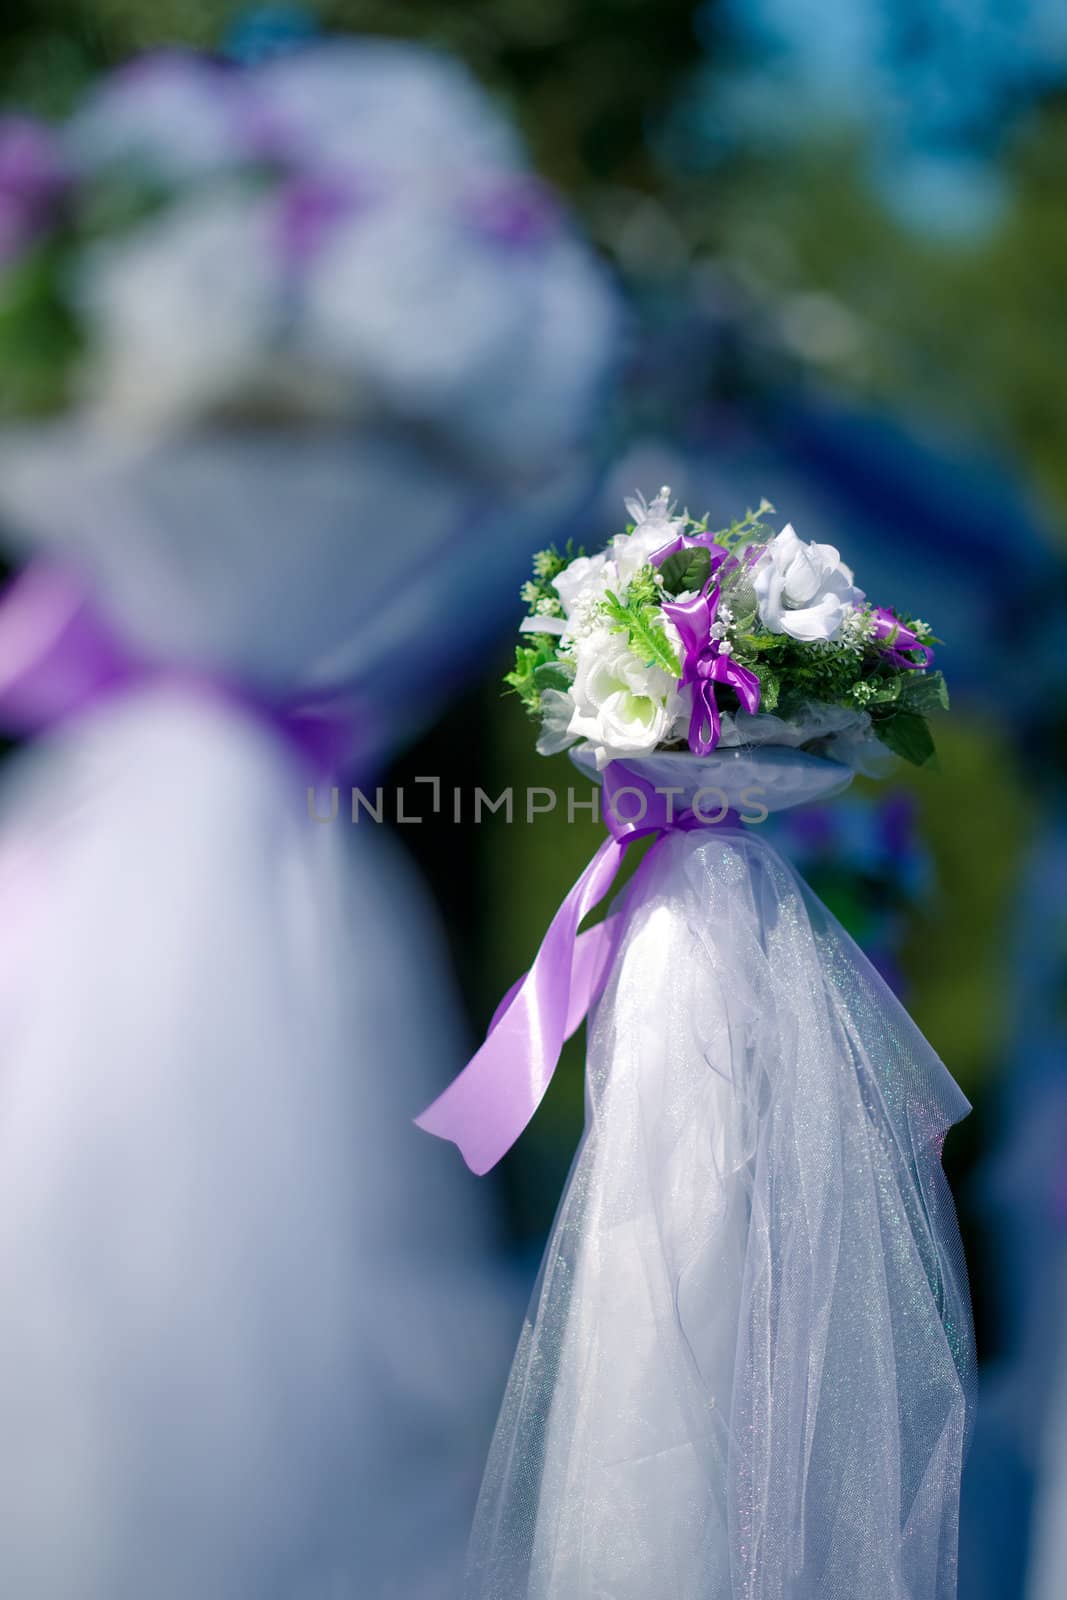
{"type": "Point", "coordinates": [538, 593]}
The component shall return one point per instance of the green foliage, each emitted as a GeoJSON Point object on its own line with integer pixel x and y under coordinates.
{"type": "Point", "coordinates": [687, 571]}
{"type": "Point", "coordinates": [792, 674]}
{"type": "Point", "coordinates": [531, 660]}
{"type": "Point", "coordinates": [923, 692]}
{"type": "Point", "coordinates": [553, 675]}
{"type": "Point", "coordinates": [907, 734]}
{"type": "Point", "coordinates": [745, 529]}
{"type": "Point", "coordinates": [538, 592]}
{"type": "Point", "coordinates": [770, 685]}
{"type": "Point", "coordinates": [39, 337]}
{"type": "Point", "coordinates": [640, 618]}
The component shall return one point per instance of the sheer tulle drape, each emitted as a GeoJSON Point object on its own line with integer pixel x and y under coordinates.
{"type": "Point", "coordinates": [252, 1327]}
{"type": "Point", "coordinates": [250, 1335]}
{"type": "Point", "coordinates": [746, 1370]}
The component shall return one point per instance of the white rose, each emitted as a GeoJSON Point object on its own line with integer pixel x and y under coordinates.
{"type": "Point", "coordinates": [805, 590]}
{"type": "Point", "coordinates": [585, 582]}
{"type": "Point", "coordinates": [621, 706]}
{"type": "Point", "coordinates": [183, 310]}
{"type": "Point", "coordinates": [653, 528]}
{"type": "Point", "coordinates": [176, 118]}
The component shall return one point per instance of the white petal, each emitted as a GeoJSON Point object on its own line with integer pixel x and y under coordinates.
{"type": "Point", "coordinates": [556, 625]}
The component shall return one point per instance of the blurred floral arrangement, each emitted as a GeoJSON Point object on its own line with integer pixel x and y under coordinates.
{"type": "Point", "coordinates": [632, 648]}
{"type": "Point", "coordinates": [346, 232]}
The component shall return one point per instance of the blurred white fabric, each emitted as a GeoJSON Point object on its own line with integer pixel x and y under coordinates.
{"type": "Point", "coordinates": [287, 560]}
{"type": "Point", "coordinates": [252, 1332]}
{"type": "Point", "coordinates": [249, 1336]}
{"type": "Point", "coordinates": [341, 353]}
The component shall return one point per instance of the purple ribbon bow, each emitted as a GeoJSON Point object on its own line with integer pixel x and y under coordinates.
{"type": "Point", "coordinates": [486, 1107]}
{"type": "Point", "coordinates": [707, 661]}
{"type": "Point", "coordinates": [59, 660]}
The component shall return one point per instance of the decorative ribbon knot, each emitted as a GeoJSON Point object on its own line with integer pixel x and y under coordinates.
{"type": "Point", "coordinates": [486, 1107]}
{"type": "Point", "coordinates": [59, 660]}
{"type": "Point", "coordinates": [706, 662]}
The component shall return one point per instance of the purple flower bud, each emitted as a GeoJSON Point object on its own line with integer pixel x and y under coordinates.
{"type": "Point", "coordinates": [885, 626]}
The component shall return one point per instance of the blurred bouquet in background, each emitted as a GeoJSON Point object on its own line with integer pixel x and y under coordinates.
{"type": "Point", "coordinates": [346, 233]}
{"type": "Point", "coordinates": [294, 347]}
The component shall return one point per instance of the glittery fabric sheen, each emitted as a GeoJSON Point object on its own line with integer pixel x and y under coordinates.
{"type": "Point", "coordinates": [747, 1368]}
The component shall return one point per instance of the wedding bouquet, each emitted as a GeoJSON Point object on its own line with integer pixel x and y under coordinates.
{"type": "Point", "coordinates": [747, 1369]}
{"type": "Point", "coordinates": [679, 637]}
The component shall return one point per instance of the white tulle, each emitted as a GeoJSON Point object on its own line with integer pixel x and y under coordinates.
{"type": "Point", "coordinates": [248, 1328]}
{"type": "Point", "coordinates": [286, 560]}
{"type": "Point", "coordinates": [746, 1368]}
{"type": "Point", "coordinates": [251, 1330]}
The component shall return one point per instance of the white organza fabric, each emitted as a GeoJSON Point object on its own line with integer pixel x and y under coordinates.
{"type": "Point", "coordinates": [249, 1325]}
{"type": "Point", "coordinates": [292, 561]}
{"type": "Point", "coordinates": [745, 1373]}
{"type": "Point", "coordinates": [252, 1329]}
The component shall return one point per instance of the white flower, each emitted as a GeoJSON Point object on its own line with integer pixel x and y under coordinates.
{"type": "Point", "coordinates": [174, 117]}
{"type": "Point", "coordinates": [557, 708]}
{"type": "Point", "coordinates": [585, 582]}
{"type": "Point", "coordinates": [653, 528]}
{"type": "Point", "coordinates": [804, 590]}
{"type": "Point", "coordinates": [621, 706]}
{"type": "Point", "coordinates": [354, 104]}
{"type": "Point", "coordinates": [183, 310]}
{"type": "Point", "coordinates": [428, 317]}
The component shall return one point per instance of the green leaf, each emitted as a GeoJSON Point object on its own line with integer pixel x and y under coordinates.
{"type": "Point", "coordinates": [686, 570]}
{"type": "Point", "coordinates": [553, 675]}
{"type": "Point", "coordinates": [640, 621]}
{"type": "Point", "coordinates": [769, 687]}
{"type": "Point", "coordinates": [907, 734]}
{"type": "Point", "coordinates": [530, 659]}
{"type": "Point", "coordinates": [39, 335]}
{"type": "Point", "coordinates": [924, 692]}
{"type": "Point", "coordinates": [765, 641]}
{"type": "Point", "coordinates": [882, 691]}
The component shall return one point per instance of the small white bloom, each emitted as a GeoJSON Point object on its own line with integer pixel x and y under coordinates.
{"type": "Point", "coordinates": [805, 590]}
{"type": "Point", "coordinates": [856, 629]}
{"type": "Point", "coordinates": [621, 706]}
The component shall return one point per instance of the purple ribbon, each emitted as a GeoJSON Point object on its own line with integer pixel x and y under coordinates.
{"type": "Point", "coordinates": [486, 1107]}
{"type": "Point", "coordinates": [706, 662]}
{"type": "Point", "coordinates": [59, 660]}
